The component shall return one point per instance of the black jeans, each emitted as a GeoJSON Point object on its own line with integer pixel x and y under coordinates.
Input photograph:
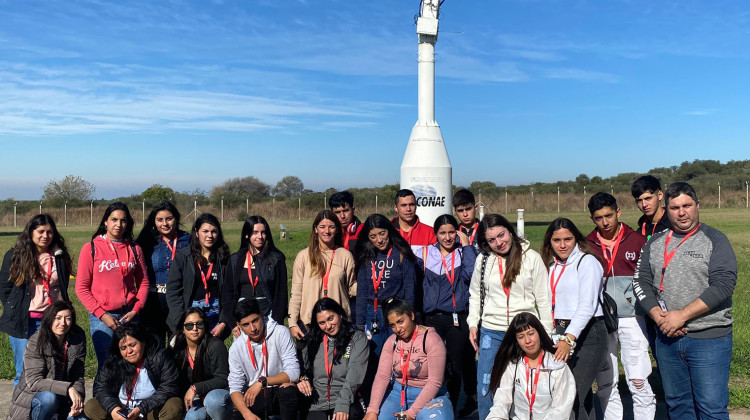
{"type": "Point", "coordinates": [589, 358]}
{"type": "Point", "coordinates": [461, 361]}
{"type": "Point", "coordinates": [277, 401]}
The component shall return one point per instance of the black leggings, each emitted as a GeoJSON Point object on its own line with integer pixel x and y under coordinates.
{"type": "Point", "coordinates": [588, 359]}
{"type": "Point", "coordinates": [461, 361]}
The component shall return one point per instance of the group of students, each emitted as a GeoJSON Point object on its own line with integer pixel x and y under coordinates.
{"type": "Point", "coordinates": [386, 317]}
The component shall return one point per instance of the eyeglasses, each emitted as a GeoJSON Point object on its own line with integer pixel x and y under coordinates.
{"type": "Point", "coordinates": [189, 325]}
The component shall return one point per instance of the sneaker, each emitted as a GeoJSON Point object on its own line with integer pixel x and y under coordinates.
{"type": "Point", "coordinates": [470, 407]}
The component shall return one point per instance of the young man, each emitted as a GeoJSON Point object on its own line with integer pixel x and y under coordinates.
{"type": "Point", "coordinates": [342, 203]}
{"type": "Point", "coordinates": [416, 233]}
{"type": "Point", "coordinates": [618, 247]}
{"type": "Point", "coordinates": [262, 365]}
{"type": "Point", "coordinates": [685, 281]}
{"type": "Point", "coordinates": [647, 193]}
{"type": "Point", "coordinates": [466, 210]}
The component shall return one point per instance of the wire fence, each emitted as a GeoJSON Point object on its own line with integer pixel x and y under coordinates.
{"type": "Point", "coordinates": [305, 208]}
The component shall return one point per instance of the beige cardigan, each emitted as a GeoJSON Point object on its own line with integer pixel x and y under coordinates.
{"type": "Point", "coordinates": [306, 290]}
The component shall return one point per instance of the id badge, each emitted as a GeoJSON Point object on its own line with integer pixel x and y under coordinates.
{"type": "Point", "coordinates": [662, 305]}
{"type": "Point", "coordinates": [455, 319]}
{"type": "Point", "coordinates": [374, 327]}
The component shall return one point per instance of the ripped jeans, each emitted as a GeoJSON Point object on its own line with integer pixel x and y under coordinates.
{"type": "Point", "coordinates": [489, 344]}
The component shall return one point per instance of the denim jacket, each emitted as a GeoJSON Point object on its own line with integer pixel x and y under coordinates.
{"type": "Point", "coordinates": [161, 259]}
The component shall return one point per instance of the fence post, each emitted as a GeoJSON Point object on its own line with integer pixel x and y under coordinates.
{"type": "Point", "coordinates": [719, 193]}
{"type": "Point", "coordinates": [143, 212]}
{"type": "Point", "coordinates": [532, 199]}
{"type": "Point", "coordinates": [222, 209]}
{"type": "Point", "coordinates": [14, 213]}
{"type": "Point", "coordinates": [520, 224]}
{"type": "Point", "coordinates": [612, 190]}
{"type": "Point", "coordinates": [299, 208]}
{"type": "Point", "coordinates": [558, 199]}
{"type": "Point", "coordinates": [273, 208]}
{"type": "Point", "coordinates": [747, 195]}
{"type": "Point", "coordinates": [40, 206]}
{"type": "Point", "coordinates": [584, 198]}
{"type": "Point", "coordinates": [91, 215]}
{"type": "Point", "coordinates": [247, 205]}
{"type": "Point", "coordinates": [506, 200]}
{"type": "Point", "coordinates": [66, 212]}
{"type": "Point", "coordinates": [195, 209]}
{"type": "Point", "coordinates": [376, 202]}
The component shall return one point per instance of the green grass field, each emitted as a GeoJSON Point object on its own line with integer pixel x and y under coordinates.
{"type": "Point", "coordinates": [733, 222]}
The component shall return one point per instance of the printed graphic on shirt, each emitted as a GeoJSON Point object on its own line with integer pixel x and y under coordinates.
{"type": "Point", "coordinates": [416, 361]}
{"type": "Point", "coordinates": [110, 265]}
{"type": "Point", "coordinates": [386, 274]}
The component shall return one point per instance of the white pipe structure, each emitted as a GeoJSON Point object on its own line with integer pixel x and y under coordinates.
{"type": "Point", "coordinates": [426, 168]}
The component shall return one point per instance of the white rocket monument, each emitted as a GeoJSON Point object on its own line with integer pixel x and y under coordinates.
{"type": "Point", "coordinates": [426, 168]}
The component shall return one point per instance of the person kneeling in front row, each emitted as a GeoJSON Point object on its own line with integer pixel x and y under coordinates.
{"type": "Point", "coordinates": [262, 366]}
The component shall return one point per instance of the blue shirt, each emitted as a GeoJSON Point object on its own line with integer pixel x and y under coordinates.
{"type": "Point", "coordinates": [161, 259]}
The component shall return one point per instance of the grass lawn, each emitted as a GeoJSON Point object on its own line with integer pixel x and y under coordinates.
{"type": "Point", "coordinates": [735, 223]}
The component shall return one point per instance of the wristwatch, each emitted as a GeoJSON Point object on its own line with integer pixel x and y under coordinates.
{"type": "Point", "coordinates": [568, 340]}
{"type": "Point", "coordinates": [263, 381]}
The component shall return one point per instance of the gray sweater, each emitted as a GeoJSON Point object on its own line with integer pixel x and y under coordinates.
{"type": "Point", "coordinates": [703, 267]}
{"type": "Point", "coordinates": [346, 376]}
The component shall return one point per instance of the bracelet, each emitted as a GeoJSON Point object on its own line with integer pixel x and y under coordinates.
{"type": "Point", "coordinates": [195, 390]}
{"type": "Point", "coordinates": [304, 378]}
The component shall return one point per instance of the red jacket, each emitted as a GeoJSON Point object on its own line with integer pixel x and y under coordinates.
{"type": "Point", "coordinates": [351, 234]}
{"type": "Point", "coordinates": [418, 236]}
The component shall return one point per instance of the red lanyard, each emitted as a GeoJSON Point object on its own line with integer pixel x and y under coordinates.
{"type": "Point", "coordinates": [328, 272]}
{"type": "Point", "coordinates": [405, 367]}
{"type": "Point", "coordinates": [47, 280]}
{"type": "Point", "coordinates": [668, 256]}
{"type": "Point", "coordinates": [553, 285]}
{"type": "Point", "coordinates": [653, 229]}
{"type": "Point", "coordinates": [376, 281]}
{"type": "Point", "coordinates": [451, 275]}
{"type": "Point", "coordinates": [190, 358]}
{"type": "Point", "coordinates": [611, 260]}
{"type": "Point", "coordinates": [250, 270]}
{"type": "Point", "coordinates": [329, 368]}
{"type": "Point", "coordinates": [135, 380]}
{"type": "Point", "coordinates": [172, 247]}
{"type": "Point", "coordinates": [252, 356]}
{"type": "Point", "coordinates": [532, 397]}
{"type": "Point", "coordinates": [473, 231]}
{"type": "Point", "coordinates": [124, 271]}
{"type": "Point", "coordinates": [65, 353]}
{"type": "Point", "coordinates": [205, 277]}
{"type": "Point", "coordinates": [505, 289]}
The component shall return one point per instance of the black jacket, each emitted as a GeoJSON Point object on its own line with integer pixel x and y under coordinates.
{"type": "Point", "coordinates": [180, 288]}
{"type": "Point", "coordinates": [272, 282]}
{"type": "Point", "coordinates": [161, 372]}
{"type": "Point", "coordinates": [215, 368]}
{"type": "Point", "coordinates": [16, 299]}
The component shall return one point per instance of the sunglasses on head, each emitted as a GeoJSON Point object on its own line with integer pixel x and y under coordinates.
{"type": "Point", "coordinates": [190, 325]}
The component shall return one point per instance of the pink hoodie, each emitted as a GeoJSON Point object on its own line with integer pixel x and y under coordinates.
{"type": "Point", "coordinates": [100, 284]}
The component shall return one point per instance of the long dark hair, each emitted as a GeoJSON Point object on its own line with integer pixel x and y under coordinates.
{"type": "Point", "coordinates": [220, 250]}
{"type": "Point", "coordinates": [317, 262]}
{"type": "Point", "coordinates": [47, 338]}
{"type": "Point", "coordinates": [510, 351]}
{"type": "Point", "coordinates": [340, 341]}
{"type": "Point", "coordinates": [102, 230]}
{"type": "Point", "coordinates": [149, 236]}
{"type": "Point", "coordinates": [24, 266]}
{"type": "Point", "coordinates": [121, 369]}
{"type": "Point", "coordinates": [180, 346]}
{"type": "Point", "coordinates": [366, 251]}
{"type": "Point", "coordinates": [247, 229]}
{"type": "Point", "coordinates": [515, 255]}
{"type": "Point", "coordinates": [548, 253]}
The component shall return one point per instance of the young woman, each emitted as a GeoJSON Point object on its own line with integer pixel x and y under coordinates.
{"type": "Point", "coordinates": [52, 379]}
{"type": "Point", "coordinates": [34, 275]}
{"type": "Point", "coordinates": [448, 266]}
{"type": "Point", "coordinates": [527, 381]}
{"type": "Point", "coordinates": [334, 364]}
{"type": "Point", "coordinates": [323, 269]}
{"type": "Point", "coordinates": [385, 268]}
{"type": "Point", "coordinates": [112, 280]}
{"type": "Point", "coordinates": [202, 361]}
{"type": "Point", "coordinates": [197, 275]}
{"type": "Point", "coordinates": [138, 380]}
{"type": "Point", "coordinates": [414, 356]}
{"type": "Point", "coordinates": [257, 270]}
{"type": "Point", "coordinates": [576, 286]}
{"type": "Point", "coordinates": [509, 278]}
{"type": "Point", "coordinates": [160, 239]}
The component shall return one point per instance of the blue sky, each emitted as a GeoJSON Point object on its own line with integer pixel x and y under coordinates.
{"type": "Point", "coordinates": [188, 94]}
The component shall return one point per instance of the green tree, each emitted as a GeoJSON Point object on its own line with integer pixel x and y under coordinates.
{"type": "Point", "coordinates": [72, 189]}
{"type": "Point", "coordinates": [158, 192]}
{"type": "Point", "coordinates": [289, 186]}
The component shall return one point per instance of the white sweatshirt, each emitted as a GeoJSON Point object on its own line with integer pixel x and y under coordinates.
{"type": "Point", "coordinates": [528, 292]}
{"type": "Point", "coordinates": [555, 393]}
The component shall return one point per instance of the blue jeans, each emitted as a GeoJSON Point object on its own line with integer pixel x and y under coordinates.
{"type": "Point", "coordinates": [384, 330]}
{"type": "Point", "coordinates": [439, 408]}
{"type": "Point", "coordinates": [489, 344]}
{"type": "Point", "coordinates": [695, 374]}
{"type": "Point", "coordinates": [101, 337]}
{"type": "Point", "coordinates": [216, 404]}
{"type": "Point", "coordinates": [45, 404]}
{"type": "Point", "coordinates": [18, 345]}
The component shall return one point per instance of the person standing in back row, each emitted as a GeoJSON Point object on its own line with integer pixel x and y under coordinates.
{"type": "Point", "coordinates": [342, 204]}
{"type": "Point", "coordinates": [466, 210]}
{"type": "Point", "coordinates": [618, 248]}
{"type": "Point", "coordinates": [685, 280]}
{"type": "Point", "coordinates": [647, 193]}
{"type": "Point", "coordinates": [416, 233]}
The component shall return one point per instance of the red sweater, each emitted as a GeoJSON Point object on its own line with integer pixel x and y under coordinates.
{"type": "Point", "coordinates": [99, 283]}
